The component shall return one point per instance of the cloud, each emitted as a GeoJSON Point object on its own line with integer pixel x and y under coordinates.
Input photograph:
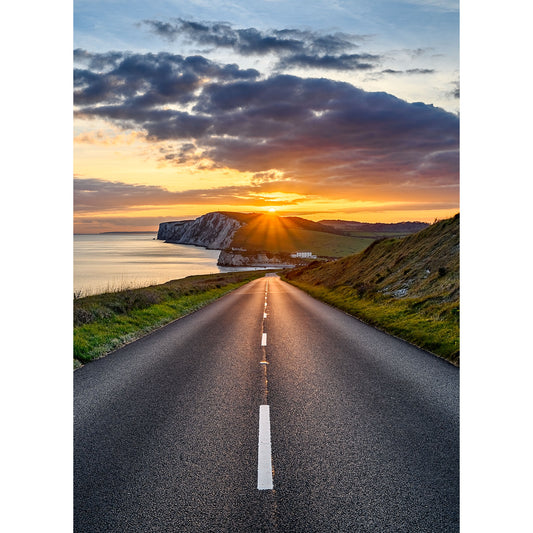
{"type": "Point", "coordinates": [251, 41]}
{"type": "Point", "coordinates": [101, 137]}
{"type": "Point", "coordinates": [322, 136]}
{"type": "Point", "coordinates": [420, 71]}
{"type": "Point", "coordinates": [456, 93]}
{"type": "Point", "coordinates": [96, 195]}
{"type": "Point", "coordinates": [301, 48]}
{"type": "Point", "coordinates": [97, 61]}
{"type": "Point", "coordinates": [97, 224]}
{"type": "Point", "coordinates": [319, 126]}
{"type": "Point", "coordinates": [147, 80]}
{"type": "Point", "coordinates": [410, 71]}
{"type": "Point", "coordinates": [451, 6]}
{"type": "Point", "coordinates": [329, 62]}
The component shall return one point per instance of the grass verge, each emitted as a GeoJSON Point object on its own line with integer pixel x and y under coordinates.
{"type": "Point", "coordinates": [430, 325]}
{"type": "Point", "coordinates": [104, 322]}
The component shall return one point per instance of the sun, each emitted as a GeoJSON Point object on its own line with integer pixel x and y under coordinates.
{"type": "Point", "coordinates": [271, 209]}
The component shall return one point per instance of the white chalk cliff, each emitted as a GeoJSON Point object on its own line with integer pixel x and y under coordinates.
{"type": "Point", "coordinates": [214, 231]}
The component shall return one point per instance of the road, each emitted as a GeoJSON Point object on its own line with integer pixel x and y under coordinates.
{"type": "Point", "coordinates": [361, 432]}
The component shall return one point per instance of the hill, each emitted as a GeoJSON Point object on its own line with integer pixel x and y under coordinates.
{"type": "Point", "coordinates": [257, 233]}
{"type": "Point", "coordinates": [262, 219]}
{"type": "Point", "coordinates": [292, 234]}
{"type": "Point", "coordinates": [408, 286]}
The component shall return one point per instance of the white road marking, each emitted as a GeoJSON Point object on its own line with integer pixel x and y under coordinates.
{"type": "Point", "coordinates": [264, 452]}
{"type": "Point", "coordinates": [264, 339]}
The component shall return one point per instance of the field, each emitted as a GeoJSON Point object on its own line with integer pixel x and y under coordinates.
{"type": "Point", "coordinates": [280, 238]}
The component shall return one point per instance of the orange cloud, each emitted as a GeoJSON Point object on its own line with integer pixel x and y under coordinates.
{"type": "Point", "coordinates": [105, 138]}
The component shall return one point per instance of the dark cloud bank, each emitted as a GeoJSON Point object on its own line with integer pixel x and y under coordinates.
{"type": "Point", "coordinates": [249, 41]}
{"type": "Point", "coordinates": [295, 48]}
{"type": "Point", "coordinates": [323, 135]}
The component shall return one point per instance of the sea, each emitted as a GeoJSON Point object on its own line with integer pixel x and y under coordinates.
{"type": "Point", "coordinates": [116, 261]}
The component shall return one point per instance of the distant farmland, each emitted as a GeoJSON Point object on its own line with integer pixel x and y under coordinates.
{"type": "Point", "coordinates": [279, 238]}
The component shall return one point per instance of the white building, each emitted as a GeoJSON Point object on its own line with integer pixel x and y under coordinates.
{"type": "Point", "coordinates": [304, 255]}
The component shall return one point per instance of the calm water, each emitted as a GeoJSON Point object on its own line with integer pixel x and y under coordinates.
{"type": "Point", "coordinates": [109, 262]}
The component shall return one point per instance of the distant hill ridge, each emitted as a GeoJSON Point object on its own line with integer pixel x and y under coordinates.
{"type": "Point", "coordinates": [375, 227]}
{"type": "Point", "coordinates": [289, 222]}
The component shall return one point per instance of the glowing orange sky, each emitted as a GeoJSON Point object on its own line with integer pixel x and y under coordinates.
{"type": "Point", "coordinates": [135, 191]}
{"type": "Point", "coordinates": [160, 136]}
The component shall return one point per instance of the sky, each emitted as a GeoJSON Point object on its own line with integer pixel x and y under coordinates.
{"type": "Point", "coordinates": [324, 109]}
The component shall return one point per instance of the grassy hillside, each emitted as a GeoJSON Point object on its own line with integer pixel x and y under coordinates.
{"type": "Point", "coordinates": [291, 234]}
{"type": "Point", "coordinates": [407, 286]}
{"type": "Point", "coordinates": [104, 322]}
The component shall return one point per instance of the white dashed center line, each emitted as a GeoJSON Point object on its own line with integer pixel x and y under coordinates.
{"type": "Point", "coordinates": [264, 452]}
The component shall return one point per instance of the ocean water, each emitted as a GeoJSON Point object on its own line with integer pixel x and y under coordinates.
{"type": "Point", "coordinates": [109, 262]}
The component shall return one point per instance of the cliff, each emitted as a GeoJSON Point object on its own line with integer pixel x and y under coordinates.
{"type": "Point", "coordinates": [214, 231]}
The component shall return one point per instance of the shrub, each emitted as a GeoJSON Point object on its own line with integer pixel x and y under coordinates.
{"type": "Point", "coordinates": [365, 289]}
{"type": "Point", "coordinates": [82, 316]}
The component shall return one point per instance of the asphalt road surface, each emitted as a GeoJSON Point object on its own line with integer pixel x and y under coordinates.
{"type": "Point", "coordinates": [267, 411]}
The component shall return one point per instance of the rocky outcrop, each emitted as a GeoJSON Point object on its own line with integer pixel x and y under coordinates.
{"type": "Point", "coordinates": [214, 231]}
{"type": "Point", "coordinates": [249, 259]}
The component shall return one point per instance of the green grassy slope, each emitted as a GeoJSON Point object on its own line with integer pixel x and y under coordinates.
{"type": "Point", "coordinates": [407, 286]}
{"type": "Point", "coordinates": [321, 244]}
{"type": "Point", "coordinates": [104, 322]}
